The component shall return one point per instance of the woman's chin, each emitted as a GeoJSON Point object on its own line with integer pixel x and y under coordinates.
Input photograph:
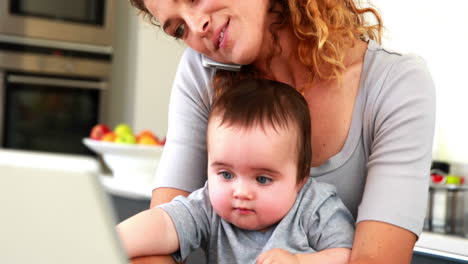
{"type": "Point", "coordinates": [244, 56]}
{"type": "Point", "coordinates": [244, 60]}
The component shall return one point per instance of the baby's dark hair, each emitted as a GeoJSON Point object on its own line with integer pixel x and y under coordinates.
{"type": "Point", "coordinates": [252, 102]}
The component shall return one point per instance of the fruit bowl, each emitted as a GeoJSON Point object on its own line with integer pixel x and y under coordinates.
{"type": "Point", "coordinates": [129, 163]}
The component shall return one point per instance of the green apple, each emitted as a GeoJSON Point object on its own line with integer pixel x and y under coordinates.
{"type": "Point", "coordinates": [122, 128]}
{"type": "Point", "coordinates": [126, 138]}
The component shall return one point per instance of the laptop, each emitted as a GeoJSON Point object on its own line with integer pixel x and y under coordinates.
{"type": "Point", "coordinates": [53, 214]}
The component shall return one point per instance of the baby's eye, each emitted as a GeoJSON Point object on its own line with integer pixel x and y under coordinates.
{"type": "Point", "coordinates": [226, 175]}
{"type": "Point", "coordinates": [263, 180]}
{"type": "Point", "coordinates": [180, 31]}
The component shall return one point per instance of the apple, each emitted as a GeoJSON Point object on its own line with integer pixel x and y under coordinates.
{"type": "Point", "coordinates": [125, 138]}
{"type": "Point", "coordinates": [147, 133]}
{"type": "Point", "coordinates": [109, 137]}
{"type": "Point", "coordinates": [147, 140]}
{"type": "Point", "coordinates": [122, 128]}
{"type": "Point", "coordinates": [98, 131]}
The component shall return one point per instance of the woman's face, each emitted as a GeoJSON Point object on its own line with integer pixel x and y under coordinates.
{"type": "Point", "coordinates": [229, 31]}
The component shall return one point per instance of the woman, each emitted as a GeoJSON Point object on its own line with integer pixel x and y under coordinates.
{"type": "Point", "coordinates": [372, 109]}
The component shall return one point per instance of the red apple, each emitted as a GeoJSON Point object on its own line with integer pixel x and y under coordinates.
{"type": "Point", "coordinates": [98, 131]}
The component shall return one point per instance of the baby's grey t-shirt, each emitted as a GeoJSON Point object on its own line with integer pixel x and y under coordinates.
{"type": "Point", "coordinates": [318, 220]}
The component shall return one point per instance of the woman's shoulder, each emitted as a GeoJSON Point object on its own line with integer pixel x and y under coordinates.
{"type": "Point", "coordinates": [191, 63]}
{"type": "Point", "coordinates": [381, 63]}
{"type": "Point", "coordinates": [386, 71]}
{"type": "Point", "coordinates": [192, 77]}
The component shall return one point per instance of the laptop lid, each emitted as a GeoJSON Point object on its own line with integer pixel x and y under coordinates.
{"type": "Point", "coordinates": [54, 215]}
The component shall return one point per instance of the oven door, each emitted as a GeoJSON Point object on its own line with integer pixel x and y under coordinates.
{"type": "Point", "coordinates": [78, 21]}
{"type": "Point", "coordinates": [44, 113]}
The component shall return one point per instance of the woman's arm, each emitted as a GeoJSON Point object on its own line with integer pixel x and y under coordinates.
{"type": "Point", "coordinates": [165, 195]}
{"type": "Point", "coordinates": [392, 210]}
{"type": "Point", "coordinates": [148, 233]}
{"type": "Point", "coordinates": [154, 260]}
{"type": "Point", "coordinates": [382, 243]}
{"type": "Point", "coordinates": [328, 256]}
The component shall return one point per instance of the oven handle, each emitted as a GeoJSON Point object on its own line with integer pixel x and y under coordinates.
{"type": "Point", "coordinates": [57, 82]}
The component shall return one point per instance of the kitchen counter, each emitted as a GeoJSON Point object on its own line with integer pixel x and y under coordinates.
{"type": "Point", "coordinates": [128, 190]}
{"type": "Point", "coordinates": [450, 247]}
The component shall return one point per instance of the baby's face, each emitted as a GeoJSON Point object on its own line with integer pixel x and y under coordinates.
{"type": "Point", "coordinates": [251, 174]}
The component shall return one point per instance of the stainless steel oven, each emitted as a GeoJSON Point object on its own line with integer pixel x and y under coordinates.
{"type": "Point", "coordinates": [44, 113]}
{"type": "Point", "coordinates": [86, 22]}
{"type": "Point", "coordinates": [55, 65]}
{"type": "Point", "coordinates": [50, 98]}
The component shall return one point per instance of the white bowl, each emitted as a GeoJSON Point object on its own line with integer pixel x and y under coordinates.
{"type": "Point", "coordinates": [130, 163]}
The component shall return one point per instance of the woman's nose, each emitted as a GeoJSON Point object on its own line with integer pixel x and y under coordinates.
{"type": "Point", "coordinates": [199, 23]}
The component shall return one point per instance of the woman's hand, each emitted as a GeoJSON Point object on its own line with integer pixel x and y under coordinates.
{"type": "Point", "coordinates": [328, 256]}
{"type": "Point", "coordinates": [278, 256]}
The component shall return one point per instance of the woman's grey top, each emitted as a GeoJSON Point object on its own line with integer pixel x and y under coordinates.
{"type": "Point", "coordinates": [382, 171]}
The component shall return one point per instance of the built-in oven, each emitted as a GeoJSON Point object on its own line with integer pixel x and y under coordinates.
{"type": "Point", "coordinates": [55, 65]}
{"type": "Point", "coordinates": [86, 22]}
{"type": "Point", "coordinates": [49, 113]}
{"type": "Point", "coordinates": [50, 97]}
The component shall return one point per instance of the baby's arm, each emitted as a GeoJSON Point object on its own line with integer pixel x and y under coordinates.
{"type": "Point", "coordinates": [329, 256]}
{"type": "Point", "coordinates": [148, 233]}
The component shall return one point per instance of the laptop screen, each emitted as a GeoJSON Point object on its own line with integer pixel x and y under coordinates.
{"type": "Point", "coordinates": [52, 215]}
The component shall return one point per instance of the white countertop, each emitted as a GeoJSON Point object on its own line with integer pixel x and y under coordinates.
{"type": "Point", "coordinates": [129, 190]}
{"type": "Point", "coordinates": [443, 245]}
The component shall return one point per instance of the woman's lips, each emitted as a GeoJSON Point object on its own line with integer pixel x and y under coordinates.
{"type": "Point", "coordinates": [224, 36]}
{"type": "Point", "coordinates": [220, 38]}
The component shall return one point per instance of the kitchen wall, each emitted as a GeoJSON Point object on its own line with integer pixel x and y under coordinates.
{"type": "Point", "coordinates": [437, 31]}
{"type": "Point", "coordinates": [146, 60]}
{"type": "Point", "coordinates": [144, 66]}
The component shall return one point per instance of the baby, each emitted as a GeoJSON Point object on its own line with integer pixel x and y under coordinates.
{"type": "Point", "coordinates": [259, 203]}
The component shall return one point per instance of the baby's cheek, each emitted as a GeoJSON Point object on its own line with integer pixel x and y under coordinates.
{"type": "Point", "coordinates": [277, 206]}
{"type": "Point", "coordinates": [219, 200]}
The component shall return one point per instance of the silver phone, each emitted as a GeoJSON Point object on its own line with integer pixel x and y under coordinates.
{"type": "Point", "coordinates": [209, 63]}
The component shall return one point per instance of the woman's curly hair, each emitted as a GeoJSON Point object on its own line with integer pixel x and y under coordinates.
{"type": "Point", "coordinates": [324, 28]}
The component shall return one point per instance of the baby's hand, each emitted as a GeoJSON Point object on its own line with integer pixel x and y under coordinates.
{"type": "Point", "coordinates": [277, 255]}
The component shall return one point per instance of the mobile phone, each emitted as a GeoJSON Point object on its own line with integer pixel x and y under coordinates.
{"type": "Point", "coordinates": [209, 63]}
